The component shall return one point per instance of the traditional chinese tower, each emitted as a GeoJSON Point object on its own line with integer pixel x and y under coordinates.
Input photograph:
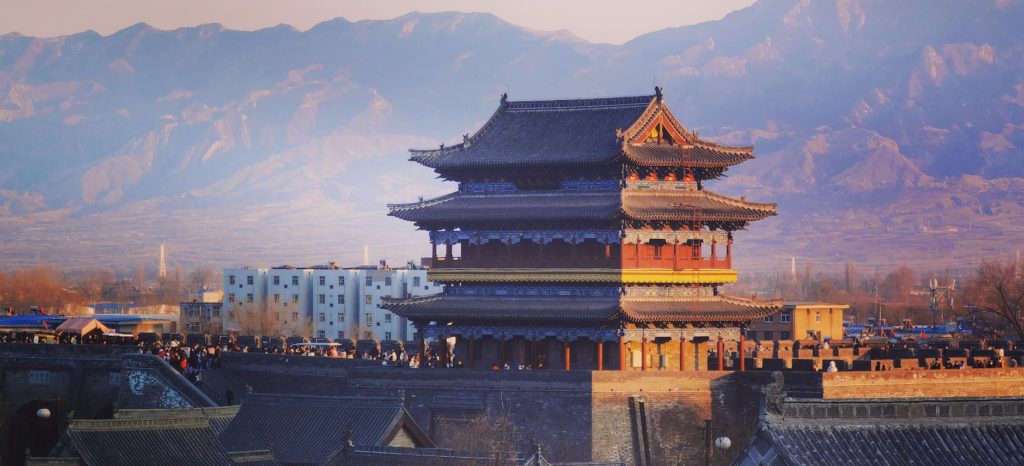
{"type": "Point", "coordinates": [581, 236]}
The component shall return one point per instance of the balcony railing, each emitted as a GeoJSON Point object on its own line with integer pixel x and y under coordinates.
{"type": "Point", "coordinates": [582, 263]}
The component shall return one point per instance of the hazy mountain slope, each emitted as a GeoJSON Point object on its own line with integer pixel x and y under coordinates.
{"type": "Point", "coordinates": [888, 131]}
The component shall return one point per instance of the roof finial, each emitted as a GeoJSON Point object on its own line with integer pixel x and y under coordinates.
{"type": "Point", "coordinates": [465, 139]}
{"type": "Point", "coordinates": [504, 98]}
{"type": "Point", "coordinates": [657, 93]}
{"type": "Point", "coordinates": [442, 146]}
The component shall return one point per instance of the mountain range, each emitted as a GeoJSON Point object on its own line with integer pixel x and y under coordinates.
{"type": "Point", "coordinates": [888, 132]}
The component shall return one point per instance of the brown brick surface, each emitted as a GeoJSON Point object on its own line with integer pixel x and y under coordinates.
{"type": "Point", "coordinates": [925, 383]}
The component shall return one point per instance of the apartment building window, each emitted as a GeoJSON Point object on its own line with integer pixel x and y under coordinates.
{"type": "Point", "coordinates": [387, 318]}
{"type": "Point", "coordinates": [387, 335]}
{"type": "Point", "coordinates": [369, 281]}
{"type": "Point", "coordinates": [322, 298]}
{"type": "Point", "coordinates": [817, 317]}
{"type": "Point", "coordinates": [248, 279]}
{"type": "Point", "coordinates": [341, 299]}
{"type": "Point", "coordinates": [295, 298]}
{"type": "Point", "coordinates": [369, 318]}
{"type": "Point", "coordinates": [369, 299]}
{"type": "Point", "coordinates": [416, 281]}
{"type": "Point", "coordinates": [277, 279]}
{"type": "Point", "coordinates": [341, 317]}
{"type": "Point", "coordinates": [387, 281]}
{"type": "Point", "coordinates": [248, 297]}
{"type": "Point", "coordinates": [367, 335]}
{"type": "Point", "coordinates": [277, 297]}
{"type": "Point", "coordinates": [231, 297]}
{"type": "Point", "coordinates": [295, 280]}
{"type": "Point", "coordinates": [785, 335]}
{"type": "Point", "coordinates": [769, 318]}
{"type": "Point", "coordinates": [323, 317]}
{"type": "Point", "coordinates": [295, 316]}
{"type": "Point", "coordinates": [341, 280]}
{"type": "Point", "coordinates": [231, 279]}
{"type": "Point", "coordinates": [320, 334]}
{"type": "Point", "coordinates": [784, 317]}
{"type": "Point", "coordinates": [323, 280]}
{"type": "Point", "coordinates": [341, 334]}
{"type": "Point", "coordinates": [768, 335]}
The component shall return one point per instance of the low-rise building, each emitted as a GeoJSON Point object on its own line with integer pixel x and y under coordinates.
{"type": "Point", "coordinates": [801, 320]}
{"type": "Point", "coordinates": [203, 318]}
{"type": "Point", "coordinates": [321, 301]}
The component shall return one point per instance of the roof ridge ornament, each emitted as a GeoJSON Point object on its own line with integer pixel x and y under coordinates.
{"type": "Point", "coordinates": [658, 94]}
{"type": "Point", "coordinates": [504, 98]}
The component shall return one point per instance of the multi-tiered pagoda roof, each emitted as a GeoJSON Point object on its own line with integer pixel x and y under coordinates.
{"type": "Point", "coordinates": [581, 214]}
{"type": "Point", "coordinates": [459, 209]}
{"type": "Point", "coordinates": [578, 133]}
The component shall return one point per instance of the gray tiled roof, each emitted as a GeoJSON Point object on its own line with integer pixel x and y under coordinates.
{"type": "Point", "coordinates": [544, 133]}
{"type": "Point", "coordinates": [302, 429]}
{"type": "Point", "coordinates": [394, 456]}
{"type": "Point", "coordinates": [561, 308]}
{"type": "Point", "coordinates": [579, 309]}
{"type": "Point", "coordinates": [702, 155]}
{"type": "Point", "coordinates": [666, 205]}
{"type": "Point", "coordinates": [536, 205]}
{"type": "Point", "coordinates": [891, 432]}
{"type": "Point", "coordinates": [708, 309]}
{"type": "Point", "coordinates": [171, 442]}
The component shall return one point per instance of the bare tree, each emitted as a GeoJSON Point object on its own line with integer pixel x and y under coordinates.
{"type": "Point", "coordinates": [203, 277]}
{"type": "Point", "coordinates": [259, 320]}
{"type": "Point", "coordinates": [996, 291]}
{"type": "Point", "coordinates": [898, 284]}
{"type": "Point", "coordinates": [495, 437]}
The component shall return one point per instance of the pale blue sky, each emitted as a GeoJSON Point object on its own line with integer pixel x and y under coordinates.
{"type": "Point", "coordinates": [594, 20]}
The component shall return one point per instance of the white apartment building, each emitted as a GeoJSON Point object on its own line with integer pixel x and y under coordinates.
{"type": "Point", "coordinates": [245, 291]}
{"type": "Point", "coordinates": [321, 302]}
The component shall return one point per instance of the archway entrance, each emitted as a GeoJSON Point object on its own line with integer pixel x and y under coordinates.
{"type": "Point", "coordinates": [25, 429]}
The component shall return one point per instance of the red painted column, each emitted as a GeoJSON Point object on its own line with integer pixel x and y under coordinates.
{"type": "Point", "coordinates": [566, 353]}
{"type": "Point", "coordinates": [682, 354]}
{"type": "Point", "coordinates": [675, 255]}
{"type": "Point", "coordinates": [728, 254]}
{"type": "Point", "coordinates": [714, 253]}
{"type": "Point", "coordinates": [743, 360]}
{"type": "Point", "coordinates": [721, 355]}
{"type": "Point", "coordinates": [600, 355]}
{"type": "Point", "coordinates": [622, 353]}
{"type": "Point", "coordinates": [643, 354]}
{"type": "Point", "coordinates": [533, 351]}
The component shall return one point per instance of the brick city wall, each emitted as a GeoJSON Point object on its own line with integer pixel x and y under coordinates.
{"type": "Point", "coordinates": [947, 383]}
{"type": "Point", "coordinates": [670, 417]}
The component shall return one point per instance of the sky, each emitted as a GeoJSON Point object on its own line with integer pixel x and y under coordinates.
{"type": "Point", "coordinates": [599, 21]}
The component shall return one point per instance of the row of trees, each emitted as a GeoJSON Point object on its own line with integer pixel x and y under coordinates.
{"type": "Point", "coordinates": [993, 291]}
{"type": "Point", "coordinates": [58, 291]}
